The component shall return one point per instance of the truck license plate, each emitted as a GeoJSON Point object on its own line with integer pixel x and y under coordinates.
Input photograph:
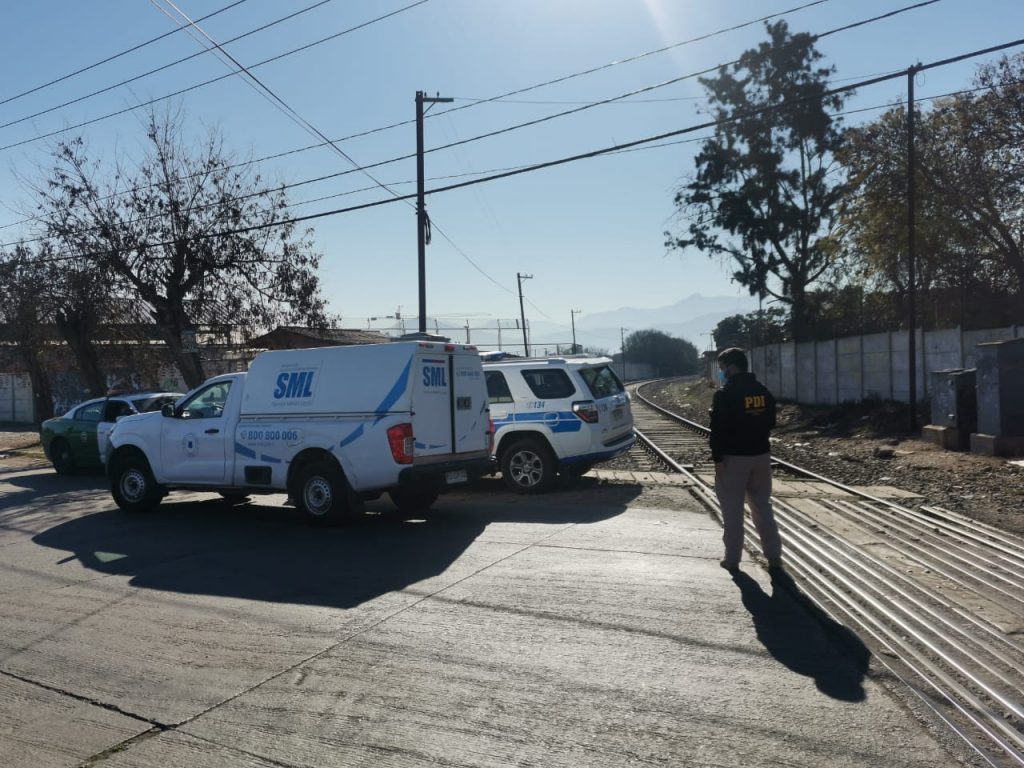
{"type": "Point", "coordinates": [458, 476]}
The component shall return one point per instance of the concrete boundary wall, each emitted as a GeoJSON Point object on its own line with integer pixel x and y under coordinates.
{"type": "Point", "coordinates": [856, 368]}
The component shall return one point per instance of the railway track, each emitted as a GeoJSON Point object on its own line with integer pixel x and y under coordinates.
{"type": "Point", "coordinates": [938, 597]}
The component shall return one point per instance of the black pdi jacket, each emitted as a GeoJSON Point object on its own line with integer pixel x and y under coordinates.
{"type": "Point", "coordinates": [742, 415]}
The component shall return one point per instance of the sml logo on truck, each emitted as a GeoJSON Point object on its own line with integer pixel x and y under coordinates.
{"type": "Point", "coordinates": [294, 385]}
{"type": "Point", "coordinates": [435, 374]}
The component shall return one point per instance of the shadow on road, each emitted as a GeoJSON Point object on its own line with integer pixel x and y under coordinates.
{"type": "Point", "coordinates": [795, 633]}
{"type": "Point", "coordinates": [262, 552]}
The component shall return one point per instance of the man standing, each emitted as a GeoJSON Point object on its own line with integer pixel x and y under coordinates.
{"type": "Point", "coordinates": [742, 415]}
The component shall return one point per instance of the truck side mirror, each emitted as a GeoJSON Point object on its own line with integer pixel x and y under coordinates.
{"type": "Point", "coordinates": [167, 409]}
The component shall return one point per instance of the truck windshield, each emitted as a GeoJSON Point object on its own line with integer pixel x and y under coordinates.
{"type": "Point", "coordinates": [601, 381]}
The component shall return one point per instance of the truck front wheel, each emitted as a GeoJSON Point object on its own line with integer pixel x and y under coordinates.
{"type": "Point", "coordinates": [322, 494]}
{"type": "Point", "coordinates": [132, 485]}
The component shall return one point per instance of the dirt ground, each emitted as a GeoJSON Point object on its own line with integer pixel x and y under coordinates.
{"type": "Point", "coordinates": [869, 444]}
{"type": "Point", "coordinates": [19, 446]}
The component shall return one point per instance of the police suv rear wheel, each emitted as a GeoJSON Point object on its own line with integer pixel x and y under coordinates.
{"type": "Point", "coordinates": [132, 485]}
{"type": "Point", "coordinates": [322, 494]}
{"type": "Point", "coordinates": [528, 466]}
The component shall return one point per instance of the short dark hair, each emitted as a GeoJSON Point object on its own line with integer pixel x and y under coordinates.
{"type": "Point", "coordinates": [734, 356]}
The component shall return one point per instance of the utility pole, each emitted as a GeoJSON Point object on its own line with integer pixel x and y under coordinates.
{"type": "Point", "coordinates": [622, 344]}
{"type": "Point", "coordinates": [572, 315]}
{"type": "Point", "coordinates": [911, 248]}
{"type": "Point", "coordinates": [422, 220]}
{"type": "Point", "coordinates": [522, 313]}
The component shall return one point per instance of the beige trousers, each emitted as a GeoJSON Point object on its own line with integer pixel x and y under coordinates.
{"type": "Point", "coordinates": [747, 477]}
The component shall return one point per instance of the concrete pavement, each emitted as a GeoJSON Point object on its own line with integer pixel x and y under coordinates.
{"type": "Point", "coordinates": [589, 627]}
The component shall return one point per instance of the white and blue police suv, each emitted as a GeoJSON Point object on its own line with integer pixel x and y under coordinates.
{"type": "Point", "coordinates": [555, 415]}
{"type": "Point", "coordinates": [330, 426]}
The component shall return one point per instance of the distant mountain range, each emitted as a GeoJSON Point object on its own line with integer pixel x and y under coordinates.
{"type": "Point", "coordinates": [692, 318]}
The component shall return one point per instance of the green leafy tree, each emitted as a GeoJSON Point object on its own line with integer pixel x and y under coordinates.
{"type": "Point", "coordinates": [763, 196]}
{"type": "Point", "coordinates": [188, 236]}
{"type": "Point", "coordinates": [969, 210]}
{"type": "Point", "coordinates": [978, 173]}
{"type": "Point", "coordinates": [667, 354]}
{"type": "Point", "coordinates": [766, 326]}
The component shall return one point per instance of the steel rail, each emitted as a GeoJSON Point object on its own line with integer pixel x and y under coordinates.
{"type": "Point", "coordinates": [862, 587]}
{"type": "Point", "coordinates": [929, 557]}
{"type": "Point", "coordinates": [815, 543]}
{"type": "Point", "coordinates": [983, 625]}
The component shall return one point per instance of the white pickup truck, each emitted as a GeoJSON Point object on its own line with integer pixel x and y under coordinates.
{"type": "Point", "coordinates": [330, 426]}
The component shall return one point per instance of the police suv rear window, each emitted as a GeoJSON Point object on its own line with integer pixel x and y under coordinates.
{"type": "Point", "coordinates": [549, 383]}
{"type": "Point", "coordinates": [601, 381]}
{"type": "Point", "coordinates": [497, 387]}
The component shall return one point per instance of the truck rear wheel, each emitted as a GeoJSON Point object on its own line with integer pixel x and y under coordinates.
{"type": "Point", "coordinates": [527, 466]}
{"type": "Point", "coordinates": [132, 485]}
{"type": "Point", "coordinates": [322, 494]}
{"type": "Point", "coordinates": [412, 499]}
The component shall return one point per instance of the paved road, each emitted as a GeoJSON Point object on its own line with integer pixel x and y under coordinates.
{"type": "Point", "coordinates": [591, 627]}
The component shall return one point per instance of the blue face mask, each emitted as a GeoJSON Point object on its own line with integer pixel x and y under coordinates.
{"type": "Point", "coordinates": [722, 378]}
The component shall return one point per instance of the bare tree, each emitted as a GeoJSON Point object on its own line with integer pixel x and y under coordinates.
{"type": "Point", "coordinates": [24, 309]}
{"type": "Point", "coordinates": [185, 234]}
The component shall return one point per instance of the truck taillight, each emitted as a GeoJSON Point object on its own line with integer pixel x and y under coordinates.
{"type": "Point", "coordinates": [587, 411]}
{"type": "Point", "coordinates": [490, 436]}
{"type": "Point", "coordinates": [401, 441]}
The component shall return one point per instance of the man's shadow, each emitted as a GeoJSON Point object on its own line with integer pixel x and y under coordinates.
{"type": "Point", "coordinates": [801, 636]}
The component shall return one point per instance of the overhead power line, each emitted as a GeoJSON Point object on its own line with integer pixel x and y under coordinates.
{"type": "Point", "coordinates": [585, 155]}
{"type": "Point", "coordinates": [584, 107]}
{"type": "Point", "coordinates": [208, 82]}
{"type": "Point", "coordinates": [108, 88]}
{"type": "Point", "coordinates": [268, 92]}
{"type": "Point", "coordinates": [536, 86]}
{"type": "Point", "coordinates": [107, 60]}
{"type": "Point", "coordinates": [393, 125]}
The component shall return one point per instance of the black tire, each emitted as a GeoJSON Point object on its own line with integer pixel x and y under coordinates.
{"type": "Point", "coordinates": [322, 494]}
{"type": "Point", "coordinates": [62, 457]}
{"type": "Point", "coordinates": [132, 485]}
{"type": "Point", "coordinates": [576, 471]}
{"type": "Point", "coordinates": [527, 466]}
{"type": "Point", "coordinates": [234, 497]}
{"type": "Point", "coordinates": [412, 499]}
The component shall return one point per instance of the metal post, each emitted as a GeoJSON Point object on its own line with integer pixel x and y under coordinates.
{"type": "Point", "coordinates": [572, 315]}
{"type": "Point", "coordinates": [422, 221]}
{"type": "Point", "coordinates": [522, 313]}
{"type": "Point", "coordinates": [911, 248]}
{"type": "Point", "coordinates": [622, 344]}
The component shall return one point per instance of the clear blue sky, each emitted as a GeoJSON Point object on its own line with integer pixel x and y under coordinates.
{"type": "Point", "coordinates": [590, 233]}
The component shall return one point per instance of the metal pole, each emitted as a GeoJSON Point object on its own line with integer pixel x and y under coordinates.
{"type": "Point", "coordinates": [622, 344]}
{"type": "Point", "coordinates": [522, 312]}
{"type": "Point", "coordinates": [911, 248]}
{"type": "Point", "coordinates": [421, 215]}
{"type": "Point", "coordinates": [422, 222]}
{"type": "Point", "coordinates": [572, 315]}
